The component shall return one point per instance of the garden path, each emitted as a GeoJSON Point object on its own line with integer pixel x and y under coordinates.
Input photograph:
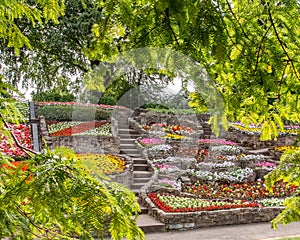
{"type": "Point", "coordinates": [256, 231]}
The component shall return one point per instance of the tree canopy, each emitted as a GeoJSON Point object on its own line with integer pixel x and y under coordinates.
{"type": "Point", "coordinates": [249, 47]}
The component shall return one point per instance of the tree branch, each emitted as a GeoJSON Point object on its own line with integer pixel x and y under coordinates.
{"type": "Point", "coordinates": [281, 80]}
{"type": "Point", "coordinates": [260, 46]}
{"type": "Point", "coordinates": [281, 42]}
{"type": "Point", "coordinates": [233, 14]}
{"type": "Point", "coordinates": [170, 26]}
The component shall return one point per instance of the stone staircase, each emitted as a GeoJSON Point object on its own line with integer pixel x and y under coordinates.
{"type": "Point", "coordinates": [141, 175]}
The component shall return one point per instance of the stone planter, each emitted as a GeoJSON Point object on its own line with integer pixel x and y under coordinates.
{"type": "Point", "coordinates": [202, 219]}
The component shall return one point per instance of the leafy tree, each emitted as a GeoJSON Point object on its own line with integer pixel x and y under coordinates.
{"type": "Point", "coordinates": [53, 196]}
{"type": "Point", "coordinates": [248, 47]}
{"type": "Point", "coordinates": [288, 171]}
{"type": "Point", "coordinates": [56, 56]}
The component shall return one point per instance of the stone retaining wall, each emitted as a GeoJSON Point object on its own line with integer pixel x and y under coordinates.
{"type": "Point", "coordinates": [88, 144]}
{"type": "Point", "coordinates": [253, 141]}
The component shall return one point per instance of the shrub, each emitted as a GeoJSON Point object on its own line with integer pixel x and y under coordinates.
{"type": "Point", "coordinates": [53, 96]}
{"type": "Point", "coordinates": [73, 113]}
{"type": "Point", "coordinates": [154, 106]}
{"type": "Point", "coordinates": [109, 100]}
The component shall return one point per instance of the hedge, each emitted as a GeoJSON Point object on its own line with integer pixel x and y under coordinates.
{"type": "Point", "coordinates": [74, 113]}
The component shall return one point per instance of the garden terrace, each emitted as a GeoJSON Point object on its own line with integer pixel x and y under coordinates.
{"type": "Point", "coordinates": [200, 182]}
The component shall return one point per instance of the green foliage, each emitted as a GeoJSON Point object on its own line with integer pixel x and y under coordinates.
{"type": "Point", "coordinates": [73, 113]}
{"type": "Point", "coordinates": [109, 100]}
{"type": "Point", "coordinates": [53, 96]}
{"type": "Point", "coordinates": [154, 106]}
{"type": "Point", "coordinates": [35, 12]}
{"type": "Point", "coordinates": [287, 171]}
{"type": "Point", "coordinates": [69, 203]}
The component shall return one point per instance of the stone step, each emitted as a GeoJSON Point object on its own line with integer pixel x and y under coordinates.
{"type": "Point", "coordinates": [123, 125]}
{"type": "Point", "coordinates": [129, 151]}
{"type": "Point", "coordinates": [127, 140]}
{"type": "Point", "coordinates": [144, 210]}
{"type": "Point", "coordinates": [135, 155]}
{"type": "Point", "coordinates": [263, 151]}
{"type": "Point", "coordinates": [127, 131]}
{"type": "Point", "coordinates": [141, 180]}
{"type": "Point", "coordinates": [128, 136]}
{"type": "Point", "coordinates": [140, 167]}
{"type": "Point", "coordinates": [135, 187]}
{"type": "Point", "coordinates": [128, 145]}
{"type": "Point", "coordinates": [142, 174]}
{"type": "Point", "coordinates": [149, 225]}
{"type": "Point", "coordinates": [139, 160]}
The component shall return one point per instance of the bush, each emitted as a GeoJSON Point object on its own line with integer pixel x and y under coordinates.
{"type": "Point", "coordinates": [53, 96]}
{"type": "Point", "coordinates": [109, 100]}
{"type": "Point", "coordinates": [154, 106]}
{"type": "Point", "coordinates": [73, 113]}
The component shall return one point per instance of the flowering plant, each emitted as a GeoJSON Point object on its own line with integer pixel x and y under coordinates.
{"type": "Point", "coordinates": [266, 165]}
{"type": "Point", "coordinates": [237, 175]}
{"type": "Point", "coordinates": [248, 190]}
{"type": "Point", "coordinates": [224, 164]}
{"type": "Point", "coordinates": [162, 147]}
{"type": "Point", "coordinates": [169, 183]}
{"type": "Point", "coordinates": [256, 129]}
{"type": "Point", "coordinates": [103, 163]}
{"type": "Point", "coordinates": [171, 203]}
{"type": "Point", "coordinates": [272, 202]}
{"type": "Point", "coordinates": [252, 157]}
{"type": "Point", "coordinates": [166, 168]}
{"type": "Point", "coordinates": [173, 136]}
{"type": "Point", "coordinates": [148, 142]}
{"type": "Point", "coordinates": [224, 149]}
{"type": "Point", "coordinates": [181, 130]}
{"type": "Point", "coordinates": [173, 159]}
{"type": "Point", "coordinates": [216, 142]}
{"type": "Point", "coordinates": [284, 148]}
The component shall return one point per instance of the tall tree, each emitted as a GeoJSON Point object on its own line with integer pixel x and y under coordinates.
{"type": "Point", "coordinates": [51, 195]}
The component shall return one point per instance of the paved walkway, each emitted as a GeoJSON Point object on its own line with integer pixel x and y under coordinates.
{"type": "Point", "coordinates": [256, 231]}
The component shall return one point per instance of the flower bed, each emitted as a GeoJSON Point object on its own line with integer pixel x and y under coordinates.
{"type": "Point", "coordinates": [117, 168]}
{"type": "Point", "coordinates": [209, 213]}
{"type": "Point", "coordinates": [171, 203]}
{"type": "Point", "coordinates": [79, 128]}
{"type": "Point", "coordinates": [104, 163]}
{"type": "Point", "coordinates": [254, 129]}
{"type": "Point", "coordinates": [23, 135]}
{"type": "Point", "coordinates": [246, 191]}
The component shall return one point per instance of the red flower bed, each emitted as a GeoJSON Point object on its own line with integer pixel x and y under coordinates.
{"type": "Point", "coordinates": [248, 191]}
{"type": "Point", "coordinates": [182, 204]}
{"type": "Point", "coordinates": [23, 134]}
{"type": "Point", "coordinates": [82, 127]}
